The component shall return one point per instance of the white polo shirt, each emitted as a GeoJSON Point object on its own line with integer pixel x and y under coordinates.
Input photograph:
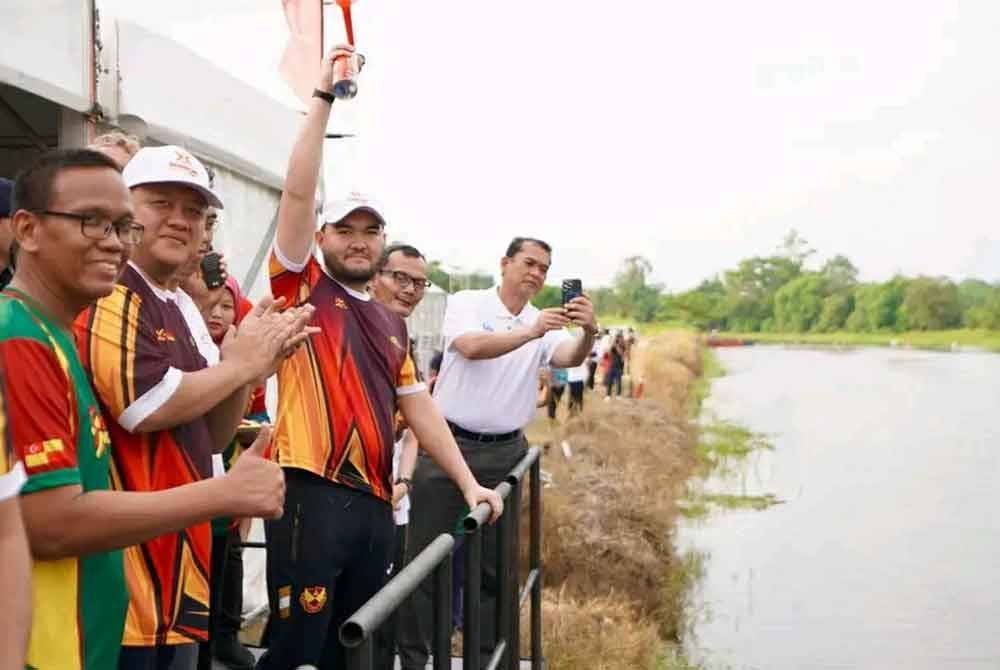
{"type": "Point", "coordinates": [496, 395]}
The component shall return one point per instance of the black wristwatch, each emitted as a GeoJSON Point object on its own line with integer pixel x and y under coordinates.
{"type": "Point", "coordinates": [406, 481]}
{"type": "Point", "coordinates": [323, 95]}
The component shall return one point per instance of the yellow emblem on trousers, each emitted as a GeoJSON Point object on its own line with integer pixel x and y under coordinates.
{"type": "Point", "coordinates": [313, 599]}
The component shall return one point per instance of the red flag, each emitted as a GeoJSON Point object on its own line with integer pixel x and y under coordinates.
{"type": "Point", "coordinates": [300, 64]}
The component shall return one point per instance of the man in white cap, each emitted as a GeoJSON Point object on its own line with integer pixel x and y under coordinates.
{"type": "Point", "coordinates": [167, 411]}
{"type": "Point", "coordinates": [337, 404]}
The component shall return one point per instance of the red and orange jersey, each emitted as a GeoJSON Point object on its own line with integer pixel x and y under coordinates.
{"type": "Point", "coordinates": [337, 395]}
{"type": "Point", "coordinates": [135, 345]}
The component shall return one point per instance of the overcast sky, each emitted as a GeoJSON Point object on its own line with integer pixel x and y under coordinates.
{"type": "Point", "coordinates": [695, 134]}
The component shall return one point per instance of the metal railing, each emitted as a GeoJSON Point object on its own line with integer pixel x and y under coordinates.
{"type": "Point", "coordinates": [356, 634]}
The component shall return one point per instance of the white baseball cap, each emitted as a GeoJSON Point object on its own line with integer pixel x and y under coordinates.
{"type": "Point", "coordinates": [335, 211]}
{"type": "Point", "coordinates": [169, 165]}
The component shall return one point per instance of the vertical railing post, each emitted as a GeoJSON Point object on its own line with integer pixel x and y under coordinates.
{"type": "Point", "coordinates": [360, 657]}
{"type": "Point", "coordinates": [513, 595]}
{"type": "Point", "coordinates": [473, 584]}
{"type": "Point", "coordinates": [442, 615]}
{"type": "Point", "coordinates": [504, 586]}
{"type": "Point", "coordinates": [535, 563]}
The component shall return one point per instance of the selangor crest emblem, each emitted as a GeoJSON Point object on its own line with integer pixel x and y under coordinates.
{"type": "Point", "coordinates": [313, 599]}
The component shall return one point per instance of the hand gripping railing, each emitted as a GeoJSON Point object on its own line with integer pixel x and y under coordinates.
{"type": "Point", "coordinates": [356, 633]}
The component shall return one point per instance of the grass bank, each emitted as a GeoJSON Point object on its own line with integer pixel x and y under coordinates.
{"type": "Point", "coordinates": [615, 588]}
{"type": "Point", "coordinates": [939, 340]}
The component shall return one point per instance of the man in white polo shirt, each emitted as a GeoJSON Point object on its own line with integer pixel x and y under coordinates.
{"type": "Point", "coordinates": [495, 343]}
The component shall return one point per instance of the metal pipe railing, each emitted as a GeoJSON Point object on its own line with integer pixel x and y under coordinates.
{"type": "Point", "coordinates": [356, 632]}
{"type": "Point", "coordinates": [374, 612]}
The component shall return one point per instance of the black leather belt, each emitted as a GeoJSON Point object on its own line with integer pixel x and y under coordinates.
{"type": "Point", "coordinates": [487, 438]}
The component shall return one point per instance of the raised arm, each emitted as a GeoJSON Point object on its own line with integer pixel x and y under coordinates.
{"type": "Point", "coordinates": [572, 353]}
{"type": "Point", "coordinates": [463, 329]}
{"type": "Point", "coordinates": [296, 213]}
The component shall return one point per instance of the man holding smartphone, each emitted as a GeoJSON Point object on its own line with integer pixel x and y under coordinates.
{"type": "Point", "coordinates": [495, 344]}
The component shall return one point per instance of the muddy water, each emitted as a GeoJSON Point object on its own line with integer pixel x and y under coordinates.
{"type": "Point", "coordinates": [886, 551]}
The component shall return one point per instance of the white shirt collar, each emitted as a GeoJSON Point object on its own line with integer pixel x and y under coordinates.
{"type": "Point", "coordinates": [360, 295]}
{"type": "Point", "coordinates": [161, 293]}
{"type": "Point", "coordinates": [503, 313]}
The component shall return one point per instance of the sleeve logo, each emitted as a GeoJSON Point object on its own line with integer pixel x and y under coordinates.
{"type": "Point", "coordinates": [37, 455]}
{"type": "Point", "coordinates": [99, 431]}
{"type": "Point", "coordinates": [163, 335]}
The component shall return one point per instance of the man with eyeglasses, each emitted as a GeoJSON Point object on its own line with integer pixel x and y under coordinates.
{"type": "Point", "coordinates": [73, 220]}
{"type": "Point", "coordinates": [399, 283]}
{"type": "Point", "coordinates": [168, 411]}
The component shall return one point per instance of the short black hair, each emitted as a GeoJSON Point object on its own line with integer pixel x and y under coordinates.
{"type": "Point", "coordinates": [33, 185]}
{"type": "Point", "coordinates": [518, 243]}
{"type": "Point", "coordinates": [407, 250]}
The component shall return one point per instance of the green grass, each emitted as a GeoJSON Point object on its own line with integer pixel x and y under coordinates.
{"type": "Point", "coordinates": [711, 368]}
{"type": "Point", "coordinates": [723, 441]}
{"type": "Point", "coordinates": [644, 329]}
{"type": "Point", "coordinates": [933, 339]}
{"type": "Point", "coordinates": [688, 569]}
{"type": "Point", "coordinates": [700, 505]}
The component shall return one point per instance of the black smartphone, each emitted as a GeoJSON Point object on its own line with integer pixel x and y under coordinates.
{"type": "Point", "coordinates": [211, 270]}
{"type": "Point", "coordinates": [571, 288]}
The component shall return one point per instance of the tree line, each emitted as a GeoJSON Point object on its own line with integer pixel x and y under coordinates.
{"type": "Point", "coordinates": [786, 292]}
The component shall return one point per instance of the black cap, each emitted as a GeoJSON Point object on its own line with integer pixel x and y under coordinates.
{"type": "Point", "coordinates": [6, 196]}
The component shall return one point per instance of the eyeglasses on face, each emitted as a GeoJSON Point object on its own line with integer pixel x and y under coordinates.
{"type": "Point", "coordinates": [404, 280]}
{"type": "Point", "coordinates": [99, 227]}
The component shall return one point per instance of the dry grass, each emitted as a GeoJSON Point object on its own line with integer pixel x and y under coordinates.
{"type": "Point", "coordinates": [610, 566]}
{"type": "Point", "coordinates": [605, 631]}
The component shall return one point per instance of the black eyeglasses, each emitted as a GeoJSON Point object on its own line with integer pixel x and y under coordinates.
{"type": "Point", "coordinates": [98, 227]}
{"type": "Point", "coordinates": [405, 280]}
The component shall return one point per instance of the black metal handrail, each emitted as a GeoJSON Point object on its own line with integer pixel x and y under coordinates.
{"type": "Point", "coordinates": [356, 632]}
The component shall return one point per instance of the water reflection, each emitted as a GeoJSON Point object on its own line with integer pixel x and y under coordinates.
{"type": "Point", "coordinates": [883, 555]}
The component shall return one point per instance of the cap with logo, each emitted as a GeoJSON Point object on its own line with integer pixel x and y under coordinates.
{"type": "Point", "coordinates": [170, 165]}
{"type": "Point", "coordinates": [335, 211]}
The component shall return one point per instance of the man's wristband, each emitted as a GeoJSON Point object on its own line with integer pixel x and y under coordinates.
{"type": "Point", "coordinates": [407, 482]}
{"type": "Point", "coordinates": [323, 95]}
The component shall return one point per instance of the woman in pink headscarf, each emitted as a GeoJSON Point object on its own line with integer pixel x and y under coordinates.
{"type": "Point", "coordinates": [227, 560]}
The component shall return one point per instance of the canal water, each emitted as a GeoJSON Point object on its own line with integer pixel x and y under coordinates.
{"type": "Point", "coordinates": [885, 552]}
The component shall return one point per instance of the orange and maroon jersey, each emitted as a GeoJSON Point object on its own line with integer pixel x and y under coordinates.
{"type": "Point", "coordinates": [337, 394]}
{"type": "Point", "coordinates": [136, 345]}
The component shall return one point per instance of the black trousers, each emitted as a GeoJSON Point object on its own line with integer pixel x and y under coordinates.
{"type": "Point", "coordinates": [326, 556]}
{"type": "Point", "coordinates": [591, 374]}
{"type": "Point", "coordinates": [166, 657]}
{"type": "Point", "coordinates": [226, 594]}
{"type": "Point", "coordinates": [575, 398]}
{"type": "Point", "coordinates": [436, 507]}
{"type": "Point", "coordinates": [613, 379]}
{"type": "Point", "coordinates": [555, 397]}
{"type": "Point", "coordinates": [385, 636]}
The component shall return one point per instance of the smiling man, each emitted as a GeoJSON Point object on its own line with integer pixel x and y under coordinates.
{"type": "Point", "coordinates": [166, 409]}
{"type": "Point", "coordinates": [75, 226]}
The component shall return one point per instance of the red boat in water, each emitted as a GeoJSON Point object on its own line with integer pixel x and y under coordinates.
{"type": "Point", "coordinates": [728, 342]}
